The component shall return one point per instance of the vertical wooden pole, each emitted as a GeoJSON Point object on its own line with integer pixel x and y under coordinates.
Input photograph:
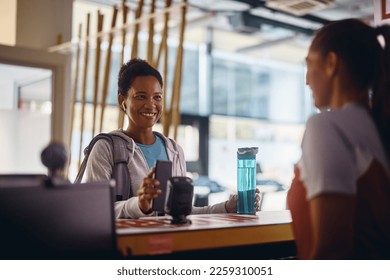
{"type": "Point", "coordinates": [107, 67]}
{"type": "Point", "coordinates": [175, 105]}
{"type": "Point", "coordinates": [167, 113]}
{"type": "Point", "coordinates": [163, 49]}
{"type": "Point", "coordinates": [73, 98]}
{"type": "Point", "coordinates": [164, 37]}
{"type": "Point", "coordinates": [151, 33]}
{"type": "Point", "coordinates": [121, 114]}
{"type": "Point", "coordinates": [100, 18]}
{"type": "Point", "coordinates": [125, 10]}
{"type": "Point", "coordinates": [84, 89]}
{"type": "Point", "coordinates": [134, 46]}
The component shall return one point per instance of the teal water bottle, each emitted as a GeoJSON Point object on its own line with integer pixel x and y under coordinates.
{"type": "Point", "coordinates": [246, 180]}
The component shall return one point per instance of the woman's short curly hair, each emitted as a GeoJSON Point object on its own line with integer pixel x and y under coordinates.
{"type": "Point", "coordinates": [132, 69]}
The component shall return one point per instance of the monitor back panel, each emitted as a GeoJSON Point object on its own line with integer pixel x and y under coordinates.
{"type": "Point", "coordinates": [65, 222]}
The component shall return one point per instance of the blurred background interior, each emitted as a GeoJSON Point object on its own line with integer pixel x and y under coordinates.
{"type": "Point", "coordinates": [243, 84]}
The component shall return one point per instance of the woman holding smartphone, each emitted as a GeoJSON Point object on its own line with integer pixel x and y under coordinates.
{"type": "Point", "coordinates": [140, 96]}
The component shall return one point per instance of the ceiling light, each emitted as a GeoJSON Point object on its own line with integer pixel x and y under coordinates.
{"type": "Point", "coordinates": [299, 7]}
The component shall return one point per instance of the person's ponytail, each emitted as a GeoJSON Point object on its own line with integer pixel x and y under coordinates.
{"type": "Point", "coordinates": [380, 108]}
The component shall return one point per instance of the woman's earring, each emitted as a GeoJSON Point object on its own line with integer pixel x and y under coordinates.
{"type": "Point", "coordinates": [124, 106]}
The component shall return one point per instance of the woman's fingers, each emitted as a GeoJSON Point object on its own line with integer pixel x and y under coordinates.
{"type": "Point", "coordinates": [149, 189]}
{"type": "Point", "coordinates": [258, 199]}
{"type": "Point", "coordinates": [151, 172]}
{"type": "Point", "coordinates": [147, 192]}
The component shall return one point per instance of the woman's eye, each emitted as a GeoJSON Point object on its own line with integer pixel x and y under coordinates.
{"type": "Point", "coordinates": [158, 97]}
{"type": "Point", "coordinates": [139, 97]}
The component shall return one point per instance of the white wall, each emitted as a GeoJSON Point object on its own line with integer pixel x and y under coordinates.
{"type": "Point", "coordinates": [39, 22]}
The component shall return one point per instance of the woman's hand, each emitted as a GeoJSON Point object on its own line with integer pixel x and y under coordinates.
{"type": "Point", "coordinates": [258, 199]}
{"type": "Point", "coordinates": [148, 191]}
{"type": "Point", "coordinates": [231, 204]}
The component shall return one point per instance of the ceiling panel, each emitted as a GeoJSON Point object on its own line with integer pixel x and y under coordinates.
{"type": "Point", "coordinates": [244, 25]}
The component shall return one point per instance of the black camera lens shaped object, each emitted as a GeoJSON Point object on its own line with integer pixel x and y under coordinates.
{"type": "Point", "coordinates": [180, 192]}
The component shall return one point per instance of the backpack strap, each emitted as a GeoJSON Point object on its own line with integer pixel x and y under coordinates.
{"type": "Point", "coordinates": [87, 151]}
{"type": "Point", "coordinates": [120, 171]}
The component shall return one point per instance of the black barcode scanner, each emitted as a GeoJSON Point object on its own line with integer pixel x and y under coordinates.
{"type": "Point", "coordinates": [178, 204]}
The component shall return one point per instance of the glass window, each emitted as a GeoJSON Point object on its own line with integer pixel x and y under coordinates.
{"type": "Point", "coordinates": [239, 89]}
{"type": "Point", "coordinates": [25, 110]}
{"type": "Point", "coordinates": [189, 101]}
{"type": "Point", "coordinates": [279, 150]}
{"type": "Point", "coordinates": [258, 89]}
{"type": "Point", "coordinates": [187, 138]}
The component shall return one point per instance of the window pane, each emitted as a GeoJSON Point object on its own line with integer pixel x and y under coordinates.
{"type": "Point", "coordinates": [25, 117]}
{"type": "Point", "coordinates": [189, 101]}
{"type": "Point", "coordinates": [279, 150]}
{"type": "Point", "coordinates": [239, 89]}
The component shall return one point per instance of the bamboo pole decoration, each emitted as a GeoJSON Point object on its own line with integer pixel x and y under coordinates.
{"type": "Point", "coordinates": [66, 45]}
{"type": "Point", "coordinates": [166, 117]}
{"type": "Point", "coordinates": [164, 38]}
{"type": "Point", "coordinates": [121, 115]}
{"type": "Point", "coordinates": [163, 49]}
{"type": "Point", "coordinates": [84, 89]}
{"type": "Point", "coordinates": [125, 10]}
{"type": "Point", "coordinates": [107, 67]}
{"type": "Point", "coordinates": [175, 104]}
{"type": "Point", "coordinates": [73, 98]}
{"type": "Point", "coordinates": [134, 46]}
{"type": "Point", "coordinates": [100, 19]}
{"type": "Point", "coordinates": [149, 56]}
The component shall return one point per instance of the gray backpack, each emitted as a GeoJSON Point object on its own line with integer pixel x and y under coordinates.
{"type": "Point", "coordinates": [120, 171]}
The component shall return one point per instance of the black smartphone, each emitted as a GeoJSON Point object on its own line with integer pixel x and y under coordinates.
{"type": "Point", "coordinates": [162, 173]}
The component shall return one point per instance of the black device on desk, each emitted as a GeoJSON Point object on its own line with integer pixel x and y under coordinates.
{"type": "Point", "coordinates": [162, 173]}
{"type": "Point", "coordinates": [180, 192]}
{"type": "Point", "coordinates": [59, 222]}
{"type": "Point", "coordinates": [46, 217]}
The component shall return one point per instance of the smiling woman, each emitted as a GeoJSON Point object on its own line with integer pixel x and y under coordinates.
{"type": "Point", "coordinates": [140, 96]}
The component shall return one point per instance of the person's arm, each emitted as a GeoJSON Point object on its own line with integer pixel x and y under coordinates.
{"type": "Point", "coordinates": [300, 214]}
{"type": "Point", "coordinates": [140, 205]}
{"type": "Point", "coordinates": [327, 175]}
{"type": "Point", "coordinates": [217, 208]}
{"type": "Point", "coordinates": [228, 206]}
{"type": "Point", "coordinates": [332, 220]}
{"type": "Point", "coordinates": [99, 168]}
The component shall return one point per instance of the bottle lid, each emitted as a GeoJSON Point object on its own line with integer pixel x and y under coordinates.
{"type": "Point", "coordinates": [247, 151]}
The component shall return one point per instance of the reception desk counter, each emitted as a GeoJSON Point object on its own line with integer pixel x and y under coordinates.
{"type": "Point", "coordinates": [156, 236]}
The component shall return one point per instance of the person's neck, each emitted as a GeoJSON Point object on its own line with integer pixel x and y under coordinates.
{"type": "Point", "coordinates": [144, 137]}
{"type": "Point", "coordinates": [344, 95]}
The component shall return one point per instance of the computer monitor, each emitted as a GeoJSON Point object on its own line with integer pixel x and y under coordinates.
{"type": "Point", "coordinates": [60, 222]}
